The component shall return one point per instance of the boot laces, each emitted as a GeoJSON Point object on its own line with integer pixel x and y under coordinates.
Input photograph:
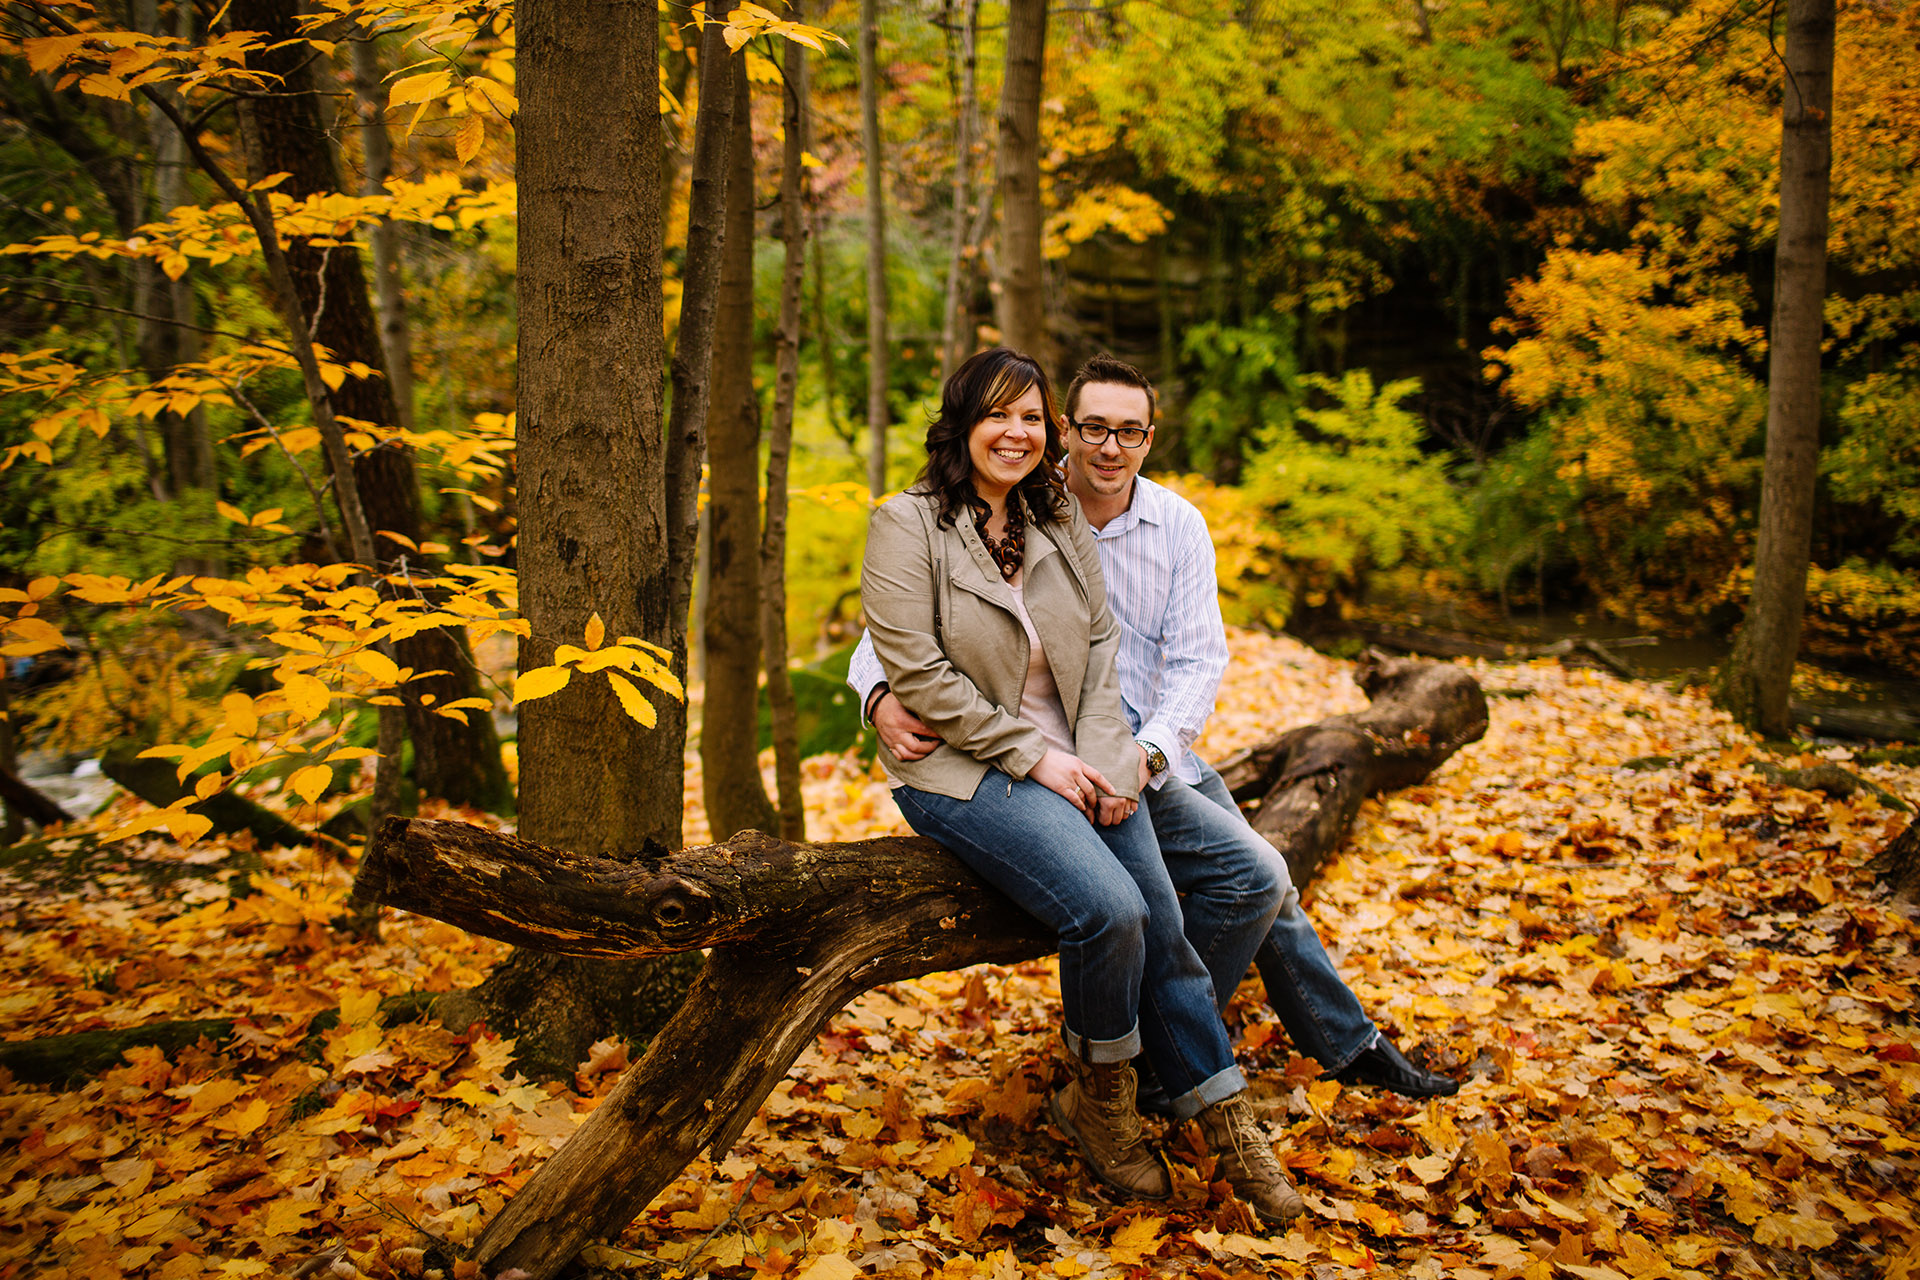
{"type": "Point", "coordinates": [1249, 1140]}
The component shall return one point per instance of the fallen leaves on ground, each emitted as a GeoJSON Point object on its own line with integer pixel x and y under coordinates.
{"type": "Point", "coordinates": [1684, 1011]}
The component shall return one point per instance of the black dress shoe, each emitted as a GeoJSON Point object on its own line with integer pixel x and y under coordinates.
{"type": "Point", "coordinates": [1383, 1064]}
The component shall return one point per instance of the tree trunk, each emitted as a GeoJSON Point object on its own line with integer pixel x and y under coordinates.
{"type": "Point", "coordinates": [693, 345]}
{"type": "Point", "coordinates": [729, 732]}
{"type": "Point", "coordinates": [796, 930]}
{"type": "Point", "coordinates": [1022, 300]}
{"type": "Point", "coordinates": [794, 187]}
{"type": "Point", "coordinates": [955, 342]}
{"type": "Point", "coordinates": [592, 470]}
{"type": "Point", "coordinates": [1756, 683]}
{"type": "Point", "coordinates": [879, 353]}
{"type": "Point", "coordinates": [396, 337]}
{"type": "Point", "coordinates": [454, 760]}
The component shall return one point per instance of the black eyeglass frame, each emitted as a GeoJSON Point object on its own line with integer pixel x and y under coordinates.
{"type": "Point", "coordinates": [1118, 433]}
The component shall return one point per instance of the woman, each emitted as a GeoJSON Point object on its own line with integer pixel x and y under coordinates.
{"type": "Point", "coordinates": [988, 614]}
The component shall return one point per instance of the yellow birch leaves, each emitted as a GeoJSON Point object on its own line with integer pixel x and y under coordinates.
{"type": "Point", "coordinates": [636, 657]}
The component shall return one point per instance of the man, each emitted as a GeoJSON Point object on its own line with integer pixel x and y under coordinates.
{"type": "Point", "coordinates": [1159, 566]}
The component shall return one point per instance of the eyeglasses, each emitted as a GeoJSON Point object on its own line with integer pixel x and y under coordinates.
{"type": "Point", "coordinates": [1096, 433]}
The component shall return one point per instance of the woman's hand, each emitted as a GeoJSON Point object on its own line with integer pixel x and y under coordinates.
{"type": "Point", "coordinates": [1114, 810]}
{"type": "Point", "coordinates": [1079, 782]}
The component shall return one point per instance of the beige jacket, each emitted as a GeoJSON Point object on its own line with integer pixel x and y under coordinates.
{"type": "Point", "coordinates": [955, 654]}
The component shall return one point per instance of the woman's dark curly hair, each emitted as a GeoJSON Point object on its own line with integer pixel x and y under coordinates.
{"type": "Point", "coordinates": [994, 377]}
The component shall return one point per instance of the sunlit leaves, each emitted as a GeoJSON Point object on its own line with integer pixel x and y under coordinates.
{"type": "Point", "coordinates": [631, 656]}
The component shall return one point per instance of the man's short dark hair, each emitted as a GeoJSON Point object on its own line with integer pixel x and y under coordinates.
{"type": "Point", "coordinates": [1106, 368]}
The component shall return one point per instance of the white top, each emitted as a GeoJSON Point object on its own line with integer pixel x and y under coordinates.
{"type": "Point", "coordinates": [1158, 561]}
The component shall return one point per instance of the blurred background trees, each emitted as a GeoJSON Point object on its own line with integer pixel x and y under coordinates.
{"type": "Point", "coordinates": [1460, 303]}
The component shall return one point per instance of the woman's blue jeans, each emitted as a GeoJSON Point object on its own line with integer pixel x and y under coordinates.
{"type": "Point", "coordinates": [1130, 982]}
{"type": "Point", "coordinates": [1221, 864]}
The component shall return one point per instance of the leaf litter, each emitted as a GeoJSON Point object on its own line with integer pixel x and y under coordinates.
{"type": "Point", "coordinates": [1683, 1008]}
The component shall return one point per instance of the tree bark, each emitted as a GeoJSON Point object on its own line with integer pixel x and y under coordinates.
{"type": "Point", "coordinates": [796, 930]}
{"type": "Point", "coordinates": [396, 336]}
{"type": "Point", "coordinates": [729, 732]}
{"type": "Point", "coordinates": [879, 352]}
{"type": "Point", "coordinates": [594, 533]}
{"type": "Point", "coordinates": [1756, 683]}
{"type": "Point", "coordinates": [692, 366]}
{"type": "Point", "coordinates": [24, 800]}
{"type": "Point", "coordinates": [1022, 300]}
{"type": "Point", "coordinates": [455, 760]}
{"type": "Point", "coordinates": [955, 343]}
{"type": "Point", "coordinates": [794, 187]}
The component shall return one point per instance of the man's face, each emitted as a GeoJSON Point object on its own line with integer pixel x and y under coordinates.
{"type": "Point", "coordinates": [1107, 468]}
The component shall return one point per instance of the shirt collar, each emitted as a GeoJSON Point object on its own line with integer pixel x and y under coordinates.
{"type": "Point", "coordinates": [1148, 506]}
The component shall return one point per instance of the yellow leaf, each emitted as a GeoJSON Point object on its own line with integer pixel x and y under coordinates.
{"type": "Point", "coordinates": [264, 518]}
{"type": "Point", "coordinates": [632, 701]}
{"type": "Point", "coordinates": [186, 827]}
{"type": "Point", "coordinates": [400, 538]}
{"type": "Point", "coordinates": [244, 1122]}
{"type": "Point", "coordinates": [834, 1266]}
{"type": "Point", "coordinates": [418, 88]}
{"type": "Point", "coordinates": [1800, 1230]}
{"type": "Point", "coordinates": [378, 665]}
{"type": "Point", "coordinates": [1134, 1243]}
{"type": "Point", "coordinates": [466, 143]}
{"type": "Point", "coordinates": [352, 753]}
{"type": "Point", "coordinates": [208, 784]}
{"type": "Point", "coordinates": [35, 631]}
{"type": "Point", "coordinates": [596, 631]}
{"type": "Point", "coordinates": [540, 682]}
{"type": "Point", "coordinates": [231, 512]}
{"type": "Point", "coordinates": [309, 782]}
{"type": "Point", "coordinates": [242, 717]}
{"type": "Point", "coordinates": [307, 698]}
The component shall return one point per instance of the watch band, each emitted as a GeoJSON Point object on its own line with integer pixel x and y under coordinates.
{"type": "Point", "coordinates": [1156, 759]}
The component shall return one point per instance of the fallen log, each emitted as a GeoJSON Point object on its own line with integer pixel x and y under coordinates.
{"type": "Point", "coordinates": [795, 931]}
{"type": "Point", "coordinates": [22, 798]}
{"type": "Point", "coordinates": [1302, 790]}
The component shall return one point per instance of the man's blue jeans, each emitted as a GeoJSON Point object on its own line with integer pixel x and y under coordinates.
{"type": "Point", "coordinates": [1129, 980]}
{"type": "Point", "coordinates": [1209, 849]}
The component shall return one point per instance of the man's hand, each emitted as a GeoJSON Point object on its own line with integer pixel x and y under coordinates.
{"type": "Point", "coordinates": [1146, 770]}
{"type": "Point", "coordinates": [902, 732]}
{"type": "Point", "coordinates": [1081, 785]}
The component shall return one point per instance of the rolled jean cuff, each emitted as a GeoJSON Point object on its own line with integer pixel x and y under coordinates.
{"type": "Point", "coordinates": [1125, 1049]}
{"type": "Point", "coordinates": [1220, 1085]}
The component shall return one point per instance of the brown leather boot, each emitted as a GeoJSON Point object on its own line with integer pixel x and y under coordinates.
{"type": "Point", "coordinates": [1245, 1154]}
{"type": "Point", "coordinates": [1096, 1110]}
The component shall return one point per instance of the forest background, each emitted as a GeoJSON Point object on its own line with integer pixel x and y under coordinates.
{"type": "Point", "coordinates": [1462, 305]}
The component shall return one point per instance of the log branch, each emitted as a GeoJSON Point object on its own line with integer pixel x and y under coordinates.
{"type": "Point", "coordinates": [1308, 784]}
{"type": "Point", "coordinates": [797, 930]}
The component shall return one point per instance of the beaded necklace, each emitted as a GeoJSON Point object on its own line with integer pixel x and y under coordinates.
{"type": "Point", "coordinates": [1010, 550]}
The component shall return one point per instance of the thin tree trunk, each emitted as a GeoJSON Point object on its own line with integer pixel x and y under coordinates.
{"type": "Point", "coordinates": [786, 362]}
{"type": "Point", "coordinates": [954, 342]}
{"type": "Point", "coordinates": [594, 533]}
{"type": "Point", "coordinates": [396, 336]}
{"type": "Point", "coordinates": [692, 364]}
{"type": "Point", "coordinates": [455, 760]}
{"type": "Point", "coordinates": [878, 351]}
{"type": "Point", "coordinates": [1022, 301]}
{"type": "Point", "coordinates": [729, 732]}
{"type": "Point", "coordinates": [823, 339]}
{"type": "Point", "coordinates": [1757, 681]}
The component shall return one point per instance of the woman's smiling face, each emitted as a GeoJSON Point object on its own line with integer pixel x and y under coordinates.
{"type": "Point", "coordinates": [1007, 444]}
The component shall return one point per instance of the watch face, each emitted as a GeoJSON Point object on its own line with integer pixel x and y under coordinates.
{"type": "Point", "coordinates": [1156, 761]}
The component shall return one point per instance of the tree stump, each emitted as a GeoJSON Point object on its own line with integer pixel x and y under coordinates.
{"type": "Point", "coordinates": [798, 930]}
